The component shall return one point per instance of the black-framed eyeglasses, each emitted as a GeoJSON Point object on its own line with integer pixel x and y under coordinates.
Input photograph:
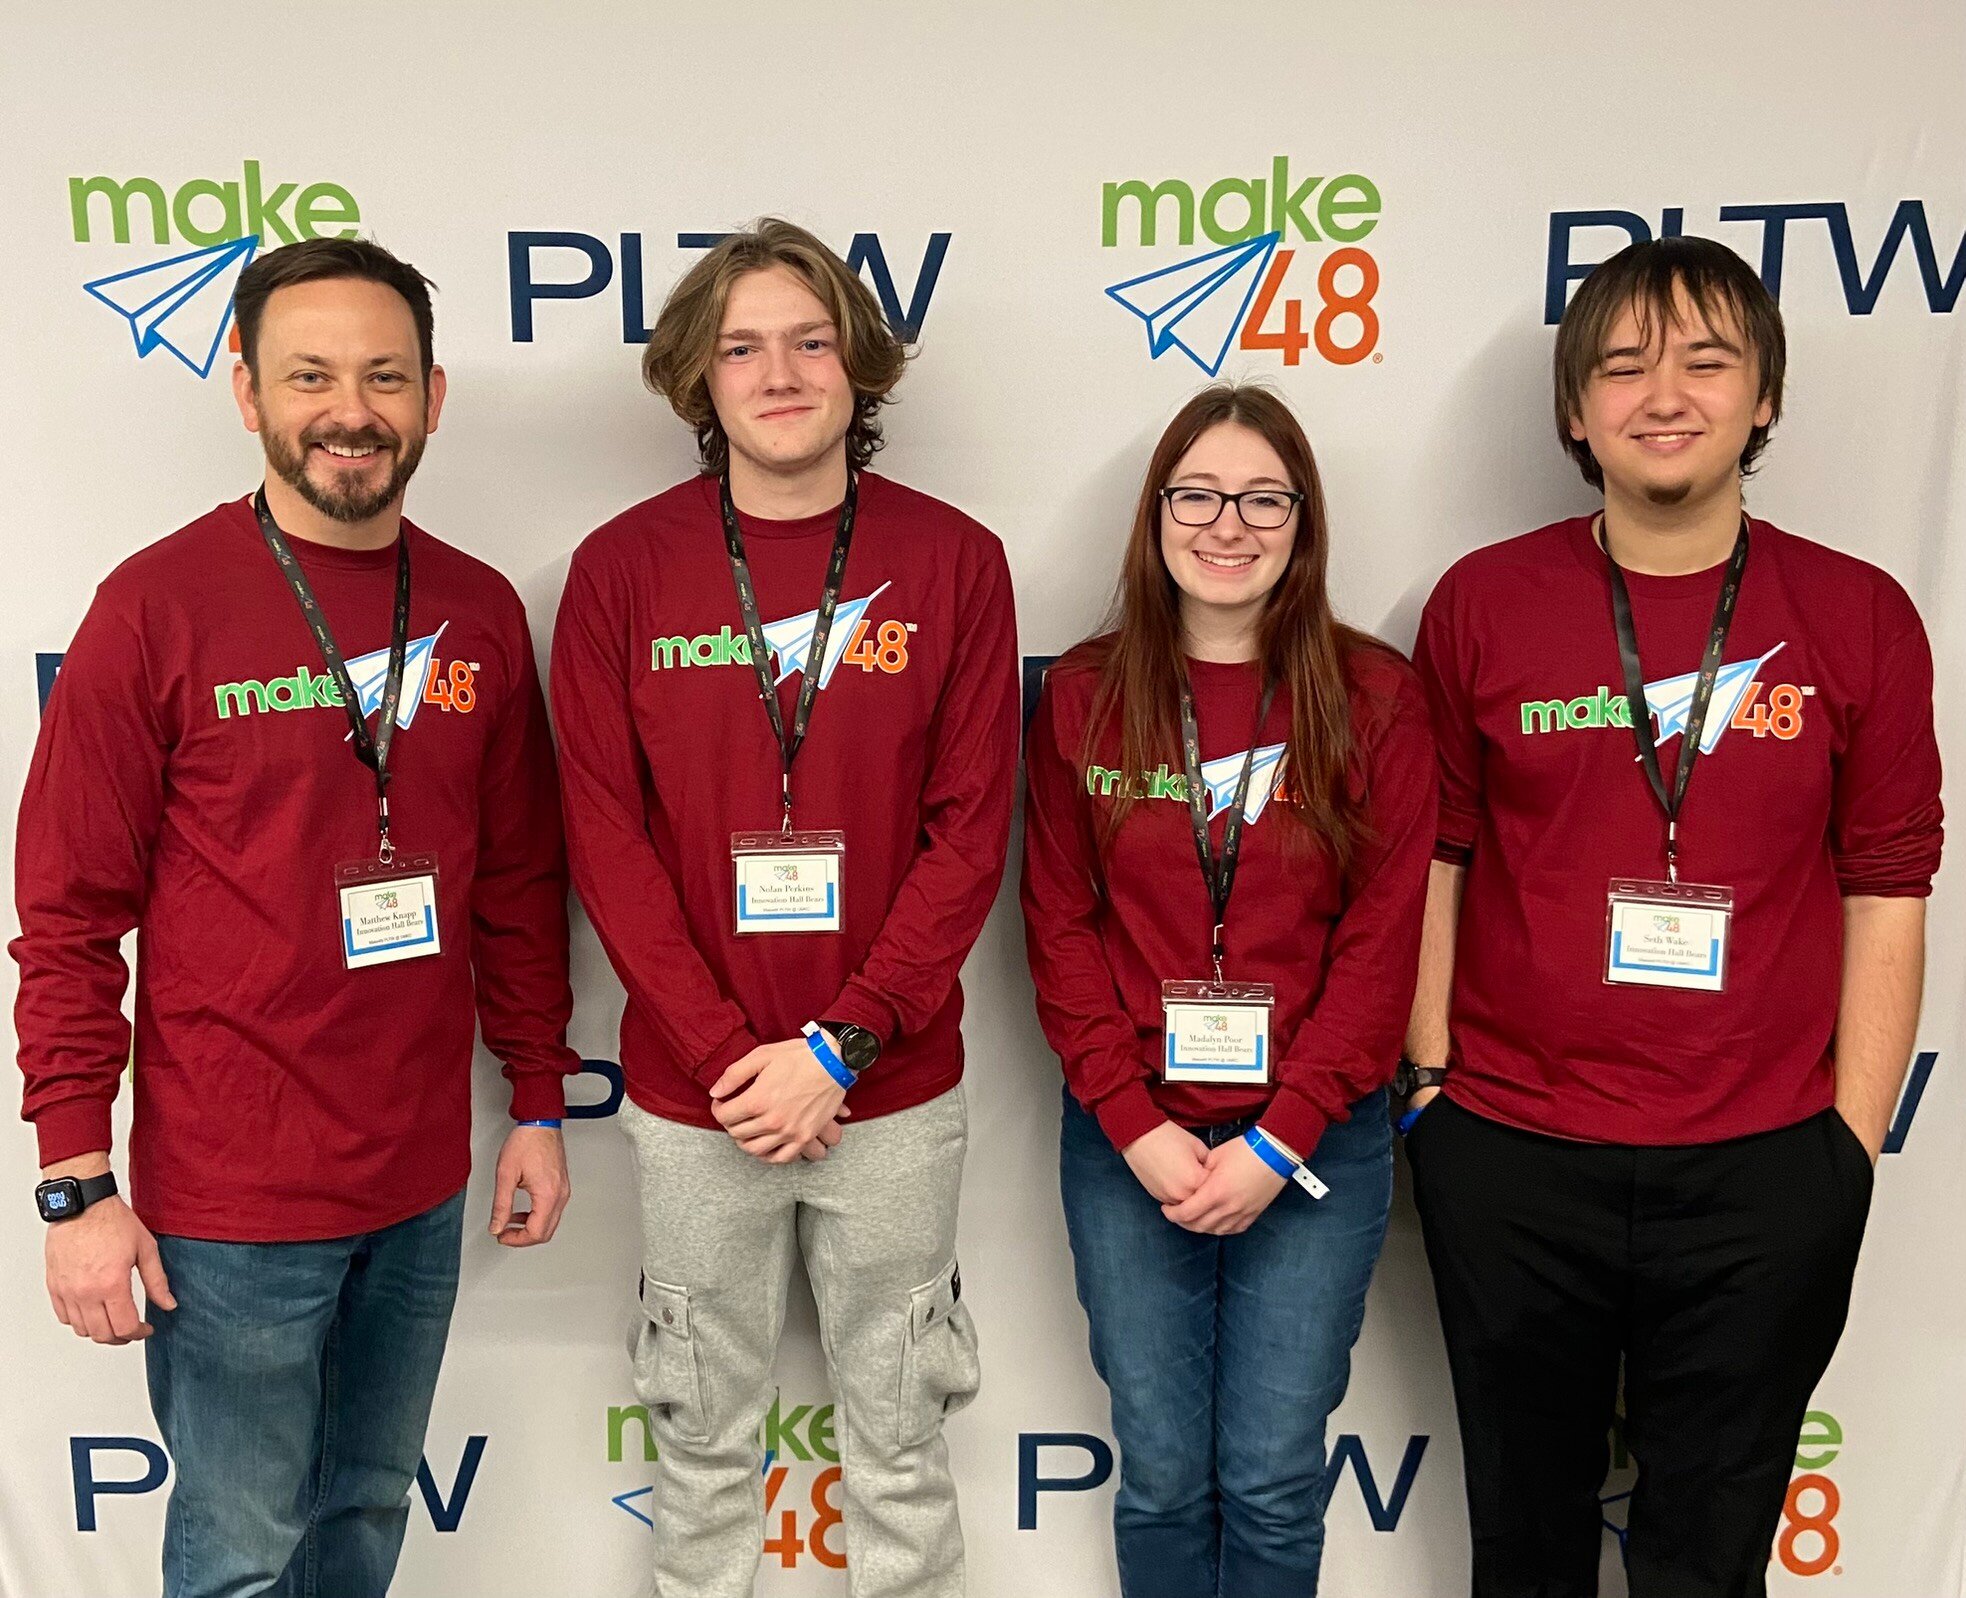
{"type": "Point", "coordinates": [1264, 508]}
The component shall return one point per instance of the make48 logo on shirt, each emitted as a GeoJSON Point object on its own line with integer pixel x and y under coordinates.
{"type": "Point", "coordinates": [449, 685]}
{"type": "Point", "coordinates": [1741, 701]}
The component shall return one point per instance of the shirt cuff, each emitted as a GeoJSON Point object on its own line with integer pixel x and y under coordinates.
{"type": "Point", "coordinates": [538, 1095]}
{"type": "Point", "coordinates": [724, 1056]}
{"type": "Point", "coordinates": [1294, 1120]}
{"type": "Point", "coordinates": [1128, 1115]}
{"type": "Point", "coordinates": [72, 1127]}
{"type": "Point", "coordinates": [858, 1006]}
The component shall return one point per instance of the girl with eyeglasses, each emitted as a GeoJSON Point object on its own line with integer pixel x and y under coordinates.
{"type": "Point", "coordinates": [1229, 820]}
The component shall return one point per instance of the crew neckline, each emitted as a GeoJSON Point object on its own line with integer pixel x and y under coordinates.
{"type": "Point", "coordinates": [1701, 584]}
{"type": "Point", "coordinates": [826, 521]}
{"type": "Point", "coordinates": [327, 557]}
{"type": "Point", "coordinates": [1223, 670]}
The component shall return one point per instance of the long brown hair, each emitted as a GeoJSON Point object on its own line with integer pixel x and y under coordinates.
{"type": "Point", "coordinates": [1299, 644]}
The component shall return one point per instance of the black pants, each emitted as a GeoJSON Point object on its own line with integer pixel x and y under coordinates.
{"type": "Point", "coordinates": [1719, 1274]}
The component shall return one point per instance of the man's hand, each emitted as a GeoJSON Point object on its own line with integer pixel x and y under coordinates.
{"type": "Point", "coordinates": [1422, 1097]}
{"type": "Point", "coordinates": [829, 1138]}
{"type": "Point", "coordinates": [90, 1259]}
{"type": "Point", "coordinates": [1238, 1188]}
{"type": "Point", "coordinates": [1170, 1161]}
{"type": "Point", "coordinates": [778, 1101]}
{"type": "Point", "coordinates": [534, 1160]}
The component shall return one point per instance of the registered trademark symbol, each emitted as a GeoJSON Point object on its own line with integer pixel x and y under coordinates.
{"type": "Point", "coordinates": [1378, 356]}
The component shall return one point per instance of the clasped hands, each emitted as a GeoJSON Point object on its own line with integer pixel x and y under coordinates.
{"type": "Point", "coordinates": [780, 1103]}
{"type": "Point", "coordinates": [1218, 1191]}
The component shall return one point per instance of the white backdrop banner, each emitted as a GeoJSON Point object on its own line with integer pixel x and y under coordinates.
{"type": "Point", "coordinates": [1378, 209]}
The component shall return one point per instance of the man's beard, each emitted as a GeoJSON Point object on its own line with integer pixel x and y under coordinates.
{"type": "Point", "coordinates": [352, 503]}
{"type": "Point", "coordinates": [1667, 495]}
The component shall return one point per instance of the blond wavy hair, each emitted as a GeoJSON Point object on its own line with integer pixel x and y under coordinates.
{"type": "Point", "coordinates": [676, 363]}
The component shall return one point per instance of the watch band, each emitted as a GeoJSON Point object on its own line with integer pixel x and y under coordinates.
{"type": "Point", "coordinates": [62, 1198]}
{"type": "Point", "coordinates": [860, 1046]}
{"type": "Point", "coordinates": [1410, 1078]}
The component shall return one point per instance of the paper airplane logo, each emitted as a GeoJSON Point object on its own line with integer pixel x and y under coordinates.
{"type": "Point", "coordinates": [1670, 698]}
{"type": "Point", "coordinates": [183, 305]}
{"type": "Point", "coordinates": [791, 640]}
{"type": "Point", "coordinates": [1197, 306]}
{"type": "Point", "coordinates": [367, 672]}
{"type": "Point", "coordinates": [1265, 778]}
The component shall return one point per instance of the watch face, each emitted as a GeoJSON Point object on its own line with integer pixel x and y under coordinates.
{"type": "Point", "coordinates": [59, 1199]}
{"type": "Point", "coordinates": [859, 1047]}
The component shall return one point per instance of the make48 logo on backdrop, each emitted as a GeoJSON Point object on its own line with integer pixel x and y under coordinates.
{"type": "Point", "coordinates": [1808, 1542]}
{"type": "Point", "coordinates": [1270, 231]}
{"type": "Point", "coordinates": [802, 1479]}
{"type": "Point", "coordinates": [181, 302]}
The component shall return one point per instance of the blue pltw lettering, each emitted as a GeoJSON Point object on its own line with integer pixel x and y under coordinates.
{"type": "Point", "coordinates": [446, 1511]}
{"type": "Point", "coordinates": [610, 1102]}
{"type": "Point", "coordinates": [1383, 1509]}
{"type": "Point", "coordinates": [447, 1514]}
{"type": "Point", "coordinates": [89, 1486]}
{"type": "Point", "coordinates": [1921, 1073]}
{"type": "Point", "coordinates": [1861, 288]}
{"type": "Point", "coordinates": [579, 266]}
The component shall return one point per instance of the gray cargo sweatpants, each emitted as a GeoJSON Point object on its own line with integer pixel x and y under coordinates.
{"type": "Point", "coordinates": [875, 1222]}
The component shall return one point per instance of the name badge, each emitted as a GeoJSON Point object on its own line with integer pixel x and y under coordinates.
{"type": "Point", "coordinates": [1668, 934]}
{"type": "Point", "coordinates": [1216, 1032]}
{"type": "Point", "coordinates": [388, 912]}
{"type": "Point", "coordinates": [788, 881]}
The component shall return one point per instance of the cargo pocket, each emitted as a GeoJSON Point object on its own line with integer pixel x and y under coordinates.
{"type": "Point", "coordinates": [940, 1371]}
{"type": "Point", "coordinates": [668, 1379]}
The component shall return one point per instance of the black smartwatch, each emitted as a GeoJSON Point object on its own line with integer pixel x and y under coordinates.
{"type": "Point", "coordinates": [1410, 1078]}
{"type": "Point", "coordinates": [858, 1047]}
{"type": "Point", "coordinates": [66, 1197]}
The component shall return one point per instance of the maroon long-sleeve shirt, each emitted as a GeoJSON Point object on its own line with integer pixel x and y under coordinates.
{"type": "Point", "coordinates": [1821, 780]}
{"type": "Point", "coordinates": [193, 781]}
{"type": "Point", "coordinates": [1108, 922]}
{"type": "Point", "coordinates": [666, 752]}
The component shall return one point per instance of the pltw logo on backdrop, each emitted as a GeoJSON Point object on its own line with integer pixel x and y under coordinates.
{"type": "Point", "coordinates": [182, 302]}
{"type": "Point", "coordinates": [1863, 285]}
{"type": "Point", "coordinates": [536, 265]}
{"type": "Point", "coordinates": [1235, 296]}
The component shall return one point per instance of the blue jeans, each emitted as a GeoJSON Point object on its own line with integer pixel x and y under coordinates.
{"type": "Point", "coordinates": [1225, 1356]}
{"type": "Point", "coordinates": [292, 1385]}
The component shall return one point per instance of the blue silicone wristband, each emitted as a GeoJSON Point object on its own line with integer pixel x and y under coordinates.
{"type": "Point", "coordinates": [554, 1124]}
{"type": "Point", "coordinates": [1269, 1153]}
{"type": "Point", "coordinates": [824, 1053]}
{"type": "Point", "coordinates": [1405, 1123]}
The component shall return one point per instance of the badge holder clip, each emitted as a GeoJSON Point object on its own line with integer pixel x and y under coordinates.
{"type": "Point", "coordinates": [787, 881]}
{"type": "Point", "coordinates": [1667, 934]}
{"type": "Point", "coordinates": [388, 908]}
{"type": "Point", "coordinates": [1216, 1032]}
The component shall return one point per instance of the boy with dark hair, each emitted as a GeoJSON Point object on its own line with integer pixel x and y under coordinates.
{"type": "Point", "coordinates": [1689, 815]}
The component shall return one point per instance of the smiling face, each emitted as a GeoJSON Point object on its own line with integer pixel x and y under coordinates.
{"type": "Point", "coordinates": [337, 394]}
{"type": "Point", "coordinates": [1669, 407]}
{"type": "Point", "coordinates": [1225, 571]}
{"type": "Point", "coordinates": [776, 379]}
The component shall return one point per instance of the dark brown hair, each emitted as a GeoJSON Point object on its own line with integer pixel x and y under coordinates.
{"type": "Point", "coordinates": [1300, 646]}
{"type": "Point", "coordinates": [676, 363]}
{"type": "Point", "coordinates": [313, 260]}
{"type": "Point", "coordinates": [1647, 279]}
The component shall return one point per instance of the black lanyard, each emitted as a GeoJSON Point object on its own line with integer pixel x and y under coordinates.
{"type": "Point", "coordinates": [372, 749]}
{"type": "Point", "coordinates": [754, 630]}
{"type": "Point", "coordinates": [1218, 874]}
{"type": "Point", "coordinates": [1696, 710]}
